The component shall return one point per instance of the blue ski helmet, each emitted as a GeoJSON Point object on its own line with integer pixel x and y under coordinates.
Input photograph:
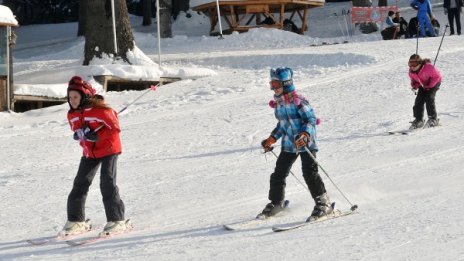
{"type": "Point", "coordinates": [284, 75]}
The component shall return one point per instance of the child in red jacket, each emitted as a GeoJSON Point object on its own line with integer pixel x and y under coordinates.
{"type": "Point", "coordinates": [426, 80]}
{"type": "Point", "coordinates": [96, 127]}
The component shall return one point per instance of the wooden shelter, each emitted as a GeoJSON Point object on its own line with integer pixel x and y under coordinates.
{"type": "Point", "coordinates": [22, 103]}
{"type": "Point", "coordinates": [118, 84]}
{"type": "Point", "coordinates": [7, 40]}
{"type": "Point", "coordinates": [243, 15]}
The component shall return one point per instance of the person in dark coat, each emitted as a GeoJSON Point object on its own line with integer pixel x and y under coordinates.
{"type": "Point", "coordinates": [453, 8]}
{"type": "Point", "coordinates": [403, 25]}
{"type": "Point", "coordinates": [413, 26]}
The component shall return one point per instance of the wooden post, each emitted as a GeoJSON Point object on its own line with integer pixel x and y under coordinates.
{"type": "Point", "coordinates": [303, 24]}
{"type": "Point", "coordinates": [11, 40]}
{"type": "Point", "coordinates": [282, 15]}
{"type": "Point", "coordinates": [232, 17]}
{"type": "Point", "coordinates": [3, 94]}
{"type": "Point", "coordinates": [213, 19]}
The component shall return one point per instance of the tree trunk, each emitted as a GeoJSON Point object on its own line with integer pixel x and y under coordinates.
{"type": "Point", "coordinates": [146, 12]}
{"type": "Point", "coordinates": [362, 3]}
{"type": "Point", "coordinates": [165, 18]}
{"type": "Point", "coordinates": [178, 6]}
{"type": "Point", "coordinates": [82, 18]}
{"type": "Point", "coordinates": [383, 2]}
{"type": "Point", "coordinates": [99, 30]}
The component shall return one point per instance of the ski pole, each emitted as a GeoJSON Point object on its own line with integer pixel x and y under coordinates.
{"type": "Point", "coordinates": [353, 207]}
{"type": "Point", "coordinates": [345, 17]}
{"type": "Point", "coordinates": [417, 38]}
{"type": "Point", "coordinates": [439, 47]}
{"type": "Point", "coordinates": [339, 25]}
{"type": "Point", "coordinates": [152, 88]}
{"type": "Point", "coordinates": [271, 150]}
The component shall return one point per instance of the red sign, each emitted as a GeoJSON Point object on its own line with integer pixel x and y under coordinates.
{"type": "Point", "coordinates": [371, 14]}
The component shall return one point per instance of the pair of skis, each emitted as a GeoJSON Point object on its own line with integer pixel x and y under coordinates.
{"type": "Point", "coordinates": [69, 240]}
{"type": "Point", "coordinates": [251, 223]}
{"type": "Point", "coordinates": [93, 239]}
{"type": "Point", "coordinates": [73, 240]}
{"type": "Point", "coordinates": [77, 239]}
{"type": "Point", "coordinates": [61, 237]}
{"type": "Point", "coordinates": [408, 131]}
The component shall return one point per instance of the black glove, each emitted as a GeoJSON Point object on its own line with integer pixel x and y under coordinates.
{"type": "Point", "coordinates": [79, 134]}
{"type": "Point", "coordinates": [85, 134]}
{"type": "Point", "coordinates": [91, 136]}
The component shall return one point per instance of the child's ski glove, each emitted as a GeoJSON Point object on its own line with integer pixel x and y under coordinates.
{"type": "Point", "coordinates": [302, 139]}
{"type": "Point", "coordinates": [85, 134]}
{"type": "Point", "coordinates": [267, 143]}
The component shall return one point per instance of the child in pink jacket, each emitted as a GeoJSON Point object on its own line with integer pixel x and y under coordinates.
{"type": "Point", "coordinates": [426, 80]}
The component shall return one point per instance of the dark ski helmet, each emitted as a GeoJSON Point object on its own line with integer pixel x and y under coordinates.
{"type": "Point", "coordinates": [285, 76]}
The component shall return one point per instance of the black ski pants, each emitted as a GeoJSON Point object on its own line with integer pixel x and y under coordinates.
{"type": "Point", "coordinates": [310, 174]}
{"type": "Point", "coordinates": [426, 97]}
{"type": "Point", "coordinates": [114, 207]}
{"type": "Point", "coordinates": [453, 13]}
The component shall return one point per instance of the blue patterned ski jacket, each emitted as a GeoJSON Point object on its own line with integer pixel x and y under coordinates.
{"type": "Point", "coordinates": [294, 115]}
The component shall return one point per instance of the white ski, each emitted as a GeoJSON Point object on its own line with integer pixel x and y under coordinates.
{"type": "Point", "coordinates": [58, 238]}
{"type": "Point", "coordinates": [336, 214]}
{"type": "Point", "coordinates": [260, 219]}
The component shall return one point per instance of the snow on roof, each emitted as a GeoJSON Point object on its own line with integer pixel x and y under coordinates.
{"type": "Point", "coordinates": [7, 17]}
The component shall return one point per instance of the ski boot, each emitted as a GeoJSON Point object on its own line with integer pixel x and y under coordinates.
{"type": "Point", "coordinates": [74, 228]}
{"type": "Point", "coordinates": [272, 209]}
{"type": "Point", "coordinates": [116, 227]}
{"type": "Point", "coordinates": [416, 124]}
{"type": "Point", "coordinates": [432, 122]}
{"type": "Point", "coordinates": [322, 208]}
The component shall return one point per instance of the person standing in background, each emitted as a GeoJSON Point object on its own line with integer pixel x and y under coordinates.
{"type": "Point", "coordinates": [453, 8]}
{"type": "Point", "coordinates": [424, 15]}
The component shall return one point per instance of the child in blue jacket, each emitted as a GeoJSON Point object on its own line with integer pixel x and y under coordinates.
{"type": "Point", "coordinates": [297, 127]}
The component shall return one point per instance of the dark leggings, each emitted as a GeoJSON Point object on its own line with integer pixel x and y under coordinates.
{"type": "Point", "coordinates": [426, 97]}
{"type": "Point", "coordinates": [114, 206]}
{"type": "Point", "coordinates": [310, 174]}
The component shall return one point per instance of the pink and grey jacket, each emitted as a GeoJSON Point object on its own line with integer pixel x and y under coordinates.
{"type": "Point", "coordinates": [428, 77]}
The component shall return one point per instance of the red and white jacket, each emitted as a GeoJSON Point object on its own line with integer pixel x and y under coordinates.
{"type": "Point", "coordinates": [108, 142]}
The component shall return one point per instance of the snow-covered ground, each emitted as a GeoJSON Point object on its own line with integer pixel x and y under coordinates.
{"type": "Point", "coordinates": [192, 162]}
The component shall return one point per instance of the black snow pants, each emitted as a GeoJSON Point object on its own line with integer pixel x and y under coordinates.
{"type": "Point", "coordinates": [310, 174]}
{"type": "Point", "coordinates": [426, 97]}
{"type": "Point", "coordinates": [114, 207]}
{"type": "Point", "coordinates": [454, 14]}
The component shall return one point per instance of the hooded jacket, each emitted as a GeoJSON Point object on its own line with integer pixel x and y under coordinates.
{"type": "Point", "coordinates": [105, 121]}
{"type": "Point", "coordinates": [294, 115]}
{"type": "Point", "coordinates": [427, 76]}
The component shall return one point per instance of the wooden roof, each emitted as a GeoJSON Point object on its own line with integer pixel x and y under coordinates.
{"type": "Point", "coordinates": [274, 5]}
